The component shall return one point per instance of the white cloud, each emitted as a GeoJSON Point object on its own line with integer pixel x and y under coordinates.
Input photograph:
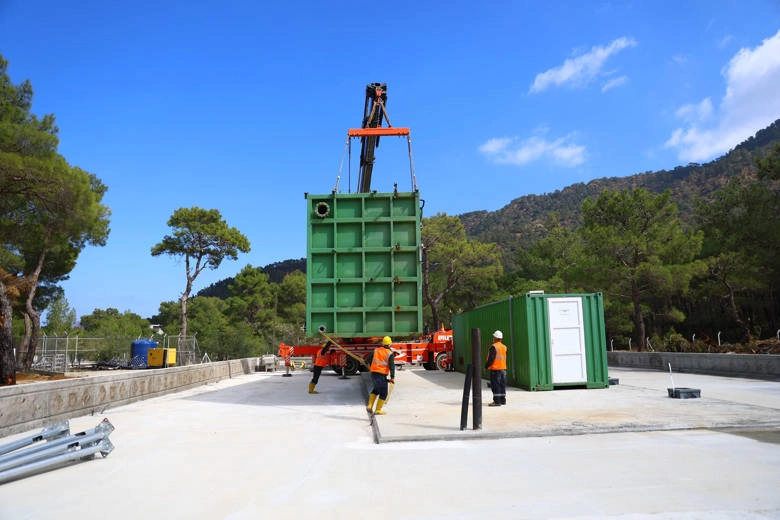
{"type": "Point", "coordinates": [505, 150]}
{"type": "Point", "coordinates": [495, 145]}
{"type": "Point", "coordinates": [582, 69]}
{"type": "Point", "coordinates": [614, 83]}
{"type": "Point", "coordinates": [696, 113]}
{"type": "Point", "coordinates": [751, 102]}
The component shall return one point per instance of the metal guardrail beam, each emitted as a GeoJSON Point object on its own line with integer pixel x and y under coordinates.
{"type": "Point", "coordinates": [104, 447]}
{"type": "Point", "coordinates": [52, 432]}
{"type": "Point", "coordinates": [16, 462]}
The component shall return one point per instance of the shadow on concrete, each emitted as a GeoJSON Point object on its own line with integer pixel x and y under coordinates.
{"type": "Point", "coordinates": [276, 390]}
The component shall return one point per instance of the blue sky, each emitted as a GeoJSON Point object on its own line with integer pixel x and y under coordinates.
{"type": "Point", "coordinates": [244, 106]}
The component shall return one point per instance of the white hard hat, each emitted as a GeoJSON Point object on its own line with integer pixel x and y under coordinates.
{"type": "Point", "coordinates": [498, 334]}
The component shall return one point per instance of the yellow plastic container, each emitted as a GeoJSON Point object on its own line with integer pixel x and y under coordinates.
{"type": "Point", "coordinates": [161, 357]}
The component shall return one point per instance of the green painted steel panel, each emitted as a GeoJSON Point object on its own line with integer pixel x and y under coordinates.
{"type": "Point", "coordinates": [363, 271]}
{"type": "Point", "coordinates": [524, 320]}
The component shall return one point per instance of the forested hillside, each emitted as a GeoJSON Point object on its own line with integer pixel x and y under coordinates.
{"type": "Point", "coordinates": [521, 222]}
{"type": "Point", "coordinates": [276, 273]}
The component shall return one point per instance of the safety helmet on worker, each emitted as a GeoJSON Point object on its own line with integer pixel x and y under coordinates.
{"type": "Point", "coordinates": [387, 341]}
{"type": "Point", "coordinates": [498, 334]}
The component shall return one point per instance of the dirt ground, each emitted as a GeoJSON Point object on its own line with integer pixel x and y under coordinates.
{"type": "Point", "coordinates": [29, 377]}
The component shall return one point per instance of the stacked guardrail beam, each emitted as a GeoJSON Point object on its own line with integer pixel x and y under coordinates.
{"type": "Point", "coordinates": [32, 455]}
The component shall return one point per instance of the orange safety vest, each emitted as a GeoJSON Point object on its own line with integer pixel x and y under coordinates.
{"type": "Point", "coordinates": [380, 362]}
{"type": "Point", "coordinates": [322, 360]}
{"type": "Point", "coordinates": [499, 363]}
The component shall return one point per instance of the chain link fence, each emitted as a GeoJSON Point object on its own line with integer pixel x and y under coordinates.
{"type": "Point", "coordinates": [60, 354]}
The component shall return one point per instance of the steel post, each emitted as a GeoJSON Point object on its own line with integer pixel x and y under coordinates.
{"type": "Point", "coordinates": [51, 432]}
{"type": "Point", "coordinates": [464, 407]}
{"type": "Point", "coordinates": [476, 382]}
{"type": "Point", "coordinates": [102, 429]}
{"type": "Point", "coordinates": [104, 447]}
{"type": "Point", "coordinates": [55, 452]}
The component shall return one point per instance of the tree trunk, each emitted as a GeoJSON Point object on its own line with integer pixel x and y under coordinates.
{"type": "Point", "coordinates": [7, 358]}
{"type": "Point", "coordinates": [31, 333]}
{"type": "Point", "coordinates": [183, 301]}
{"type": "Point", "coordinates": [639, 322]}
{"type": "Point", "coordinates": [183, 332]}
{"type": "Point", "coordinates": [32, 321]}
{"type": "Point", "coordinates": [735, 313]}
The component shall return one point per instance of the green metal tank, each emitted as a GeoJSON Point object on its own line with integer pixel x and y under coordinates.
{"type": "Point", "coordinates": [553, 340]}
{"type": "Point", "coordinates": [363, 275]}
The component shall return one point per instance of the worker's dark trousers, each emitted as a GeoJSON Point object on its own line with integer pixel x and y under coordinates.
{"type": "Point", "coordinates": [498, 385]}
{"type": "Point", "coordinates": [380, 384]}
{"type": "Point", "coordinates": [317, 372]}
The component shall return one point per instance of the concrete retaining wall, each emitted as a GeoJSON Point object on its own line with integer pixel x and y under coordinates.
{"type": "Point", "coordinates": [34, 405]}
{"type": "Point", "coordinates": [758, 366]}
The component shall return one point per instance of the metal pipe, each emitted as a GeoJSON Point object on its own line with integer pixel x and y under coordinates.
{"type": "Point", "coordinates": [51, 432]}
{"type": "Point", "coordinates": [104, 447]}
{"type": "Point", "coordinates": [102, 429]}
{"type": "Point", "coordinates": [51, 449]}
{"type": "Point", "coordinates": [464, 407]}
{"type": "Point", "coordinates": [476, 387]}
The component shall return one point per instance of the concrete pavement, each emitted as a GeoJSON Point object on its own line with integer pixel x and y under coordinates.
{"type": "Point", "coordinates": [425, 405]}
{"type": "Point", "coordinates": [259, 446]}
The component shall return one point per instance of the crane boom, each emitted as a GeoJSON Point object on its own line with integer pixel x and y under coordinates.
{"type": "Point", "coordinates": [373, 113]}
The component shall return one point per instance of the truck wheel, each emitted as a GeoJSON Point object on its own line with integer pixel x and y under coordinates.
{"type": "Point", "coordinates": [352, 366]}
{"type": "Point", "coordinates": [441, 361]}
{"type": "Point", "coordinates": [429, 365]}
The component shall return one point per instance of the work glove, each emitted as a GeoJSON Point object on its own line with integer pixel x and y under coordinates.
{"type": "Point", "coordinates": [392, 381]}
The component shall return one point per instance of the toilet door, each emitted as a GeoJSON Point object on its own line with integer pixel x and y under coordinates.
{"type": "Point", "coordinates": [567, 340]}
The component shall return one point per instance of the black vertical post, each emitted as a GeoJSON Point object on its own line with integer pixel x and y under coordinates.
{"type": "Point", "coordinates": [464, 407]}
{"type": "Point", "coordinates": [476, 381]}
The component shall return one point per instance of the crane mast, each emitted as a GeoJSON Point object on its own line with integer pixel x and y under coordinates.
{"type": "Point", "coordinates": [373, 113]}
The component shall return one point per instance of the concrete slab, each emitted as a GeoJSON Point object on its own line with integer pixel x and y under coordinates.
{"type": "Point", "coordinates": [260, 446]}
{"type": "Point", "coordinates": [426, 405]}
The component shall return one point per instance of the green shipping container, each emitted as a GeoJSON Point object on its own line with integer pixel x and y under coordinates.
{"type": "Point", "coordinates": [553, 340]}
{"type": "Point", "coordinates": [363, 264]}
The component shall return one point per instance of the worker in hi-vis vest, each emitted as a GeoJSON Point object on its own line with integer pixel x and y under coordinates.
{"type": "Point", "coordinates": [320, 361]}
{"type": "Point", "coordinates": [382, 365]}
{"type": "Point", "coordinates": [496, 364]}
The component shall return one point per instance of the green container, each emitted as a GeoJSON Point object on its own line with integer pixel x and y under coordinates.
{"type": "Point", "coordinates": [553, 340]}
{"type": "Point", "coordinates": [363, 264]}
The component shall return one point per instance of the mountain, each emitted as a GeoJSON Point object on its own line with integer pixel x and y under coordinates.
{"type": "Point", "coordinates": [276, 273]}
{"type": "Point", "coordinates": [521, 222]}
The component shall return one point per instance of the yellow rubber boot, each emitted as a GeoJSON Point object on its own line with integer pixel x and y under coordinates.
{"type": "Point", "coordinates": [311, 389]}
{"type": "Point", "coordinates": [379, 404]}
{"type": "Point", "coordinates": [370, 405]}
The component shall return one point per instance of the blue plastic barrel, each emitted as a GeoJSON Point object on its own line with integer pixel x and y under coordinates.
{"type": "Point", "coordinates": [139, 352]}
